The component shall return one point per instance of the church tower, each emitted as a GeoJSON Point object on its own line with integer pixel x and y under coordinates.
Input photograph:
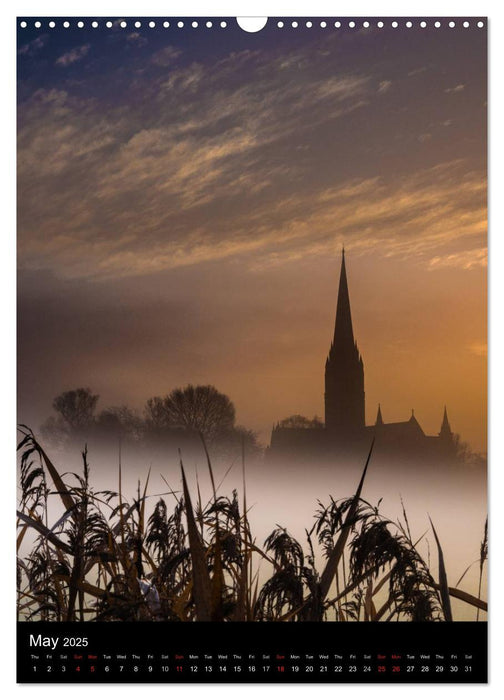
{"type": "Point", "coordinates": [344, 372]}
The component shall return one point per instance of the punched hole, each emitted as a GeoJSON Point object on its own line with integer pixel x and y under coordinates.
{"type": "Point", "coordinates": [252, 24]}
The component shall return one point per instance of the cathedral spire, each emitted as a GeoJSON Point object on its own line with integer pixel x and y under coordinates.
{"type": "Point", "coordinates": [343, 331]}
{"type": "Point", "coordinates": [445, 426]}
{"type": "Point", "coordinates": [344, 372]}
{"type": "Point", "coordinates": [379, 419]}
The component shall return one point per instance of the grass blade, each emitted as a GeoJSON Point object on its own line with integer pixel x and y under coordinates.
{"type": "Point", "coordinates": [335, 556]}
{"type": "Point", "coordinates": [200, 575]}
{"type": "Point", "coordinates": [443, 581]}
{"type": "Point", "coordinates": [483, 558]}
{"type": "Point", "coordinates": [44, 531]}
{"type": "Point", "coordinates": [465, 597]}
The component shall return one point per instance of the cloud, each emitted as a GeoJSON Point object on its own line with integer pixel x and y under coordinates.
{"type": "Point", "coordinates": [229, 160]}
{"type": "Point", "coordinates": [166, 57]}
{"type": "Point", "coordinates": [466, 259]}
{"type": "Point", "coordinates": [137, 39]}
{"type": "Point", "coordinates": [146, 192]}
{"type": "Point", "coordinates": [457, 88]}
{"type": "Point", "coordinates": [33, 47]}
{"type": "Point", "coordinates": [384, 86]}
{"type": "Point", "coordinates": [73, 56]}
{"type": "Point", "coordinates": [417, 71]}
{"type": "Point", "coordinates": [434, 209]}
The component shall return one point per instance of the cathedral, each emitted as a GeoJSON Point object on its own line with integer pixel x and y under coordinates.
{"type": "Point", "coordinates": [345, 432]}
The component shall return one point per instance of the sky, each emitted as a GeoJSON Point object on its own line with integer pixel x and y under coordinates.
{"type": "Point", "coordinates": [184, 194]}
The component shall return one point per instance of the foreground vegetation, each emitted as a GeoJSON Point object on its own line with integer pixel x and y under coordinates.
{"type": "Point", "coordinates": [104, 559]}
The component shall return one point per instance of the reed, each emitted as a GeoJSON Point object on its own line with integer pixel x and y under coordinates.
{"type": "Point", "coordinates": [103, 559]}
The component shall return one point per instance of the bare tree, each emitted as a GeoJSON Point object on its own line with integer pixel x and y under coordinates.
{"type": "Point", "coordinates": [76, 407]}
{"type": "Point", "coordinates": [200, 408]}
{"type": "Point", "coordinates": [120, 421]}
{"type": "Point", "coordinates": [75, 415]}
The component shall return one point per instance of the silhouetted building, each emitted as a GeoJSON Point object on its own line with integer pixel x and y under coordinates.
{"type": "Point", "coordinates": [345, 430]}
{"type": "Point", "coordinates": [344, 372]}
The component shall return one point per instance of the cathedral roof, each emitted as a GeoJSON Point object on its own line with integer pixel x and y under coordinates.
{"type": "Point", "coordinates": [402, 429]}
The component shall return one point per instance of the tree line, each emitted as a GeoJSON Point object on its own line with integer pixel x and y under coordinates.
{"type": "Point", "coordinates": [184, 412]}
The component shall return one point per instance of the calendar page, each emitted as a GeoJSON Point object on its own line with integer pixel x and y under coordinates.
{"type": "Point", "coordinates": [252, 369]}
